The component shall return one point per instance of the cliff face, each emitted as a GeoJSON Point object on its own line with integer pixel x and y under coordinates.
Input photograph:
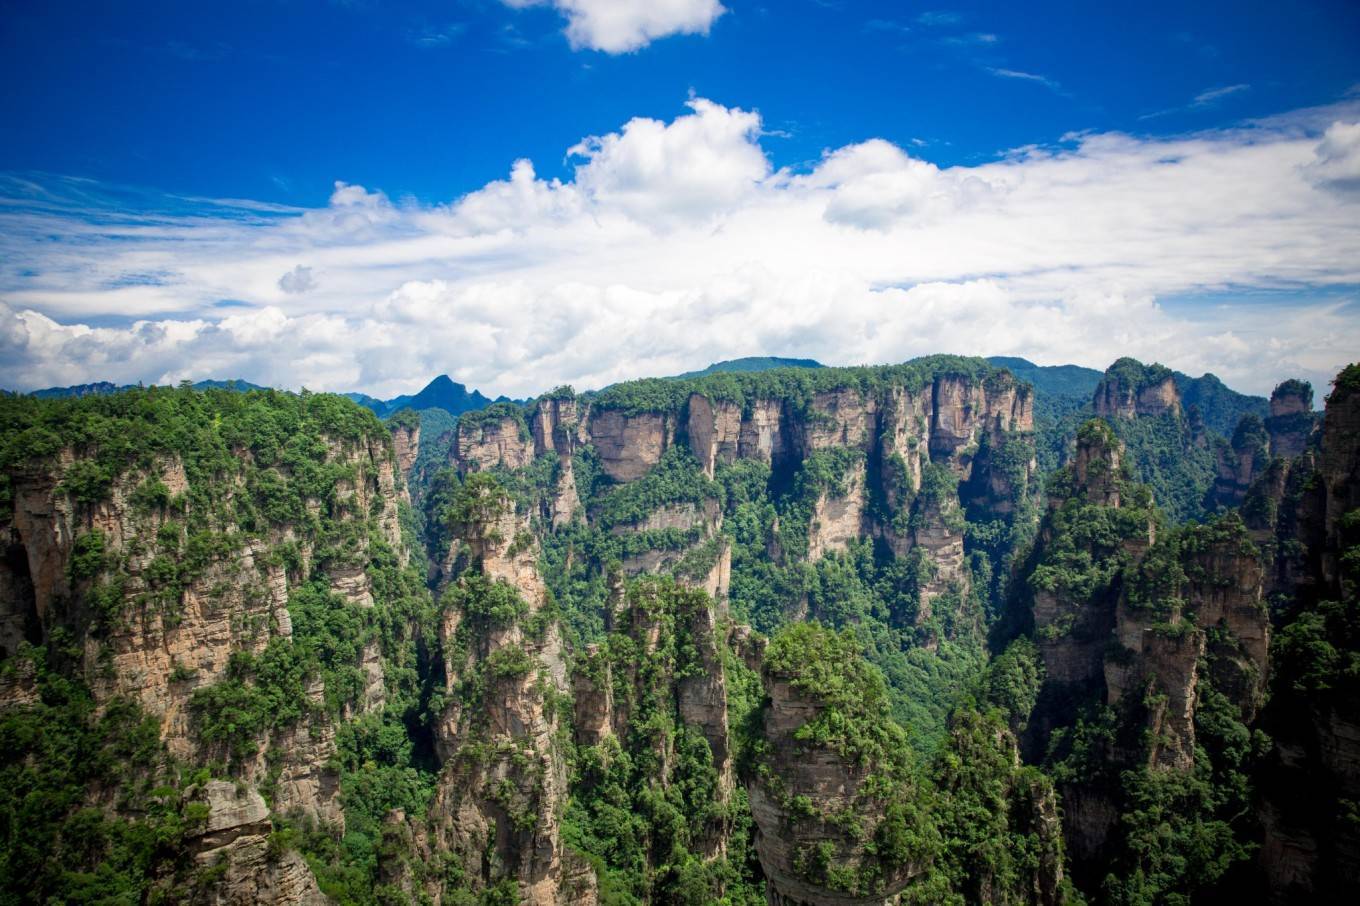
{"type": "Point", "coordinates": [406, 447]}
{"type": "Point", "coordinates": [234, 837]}
{"type": "Point", "coordinates": [503, 782]}
{"type": "Point", "coordinates": [1310, 848]}
{"type": "Point", "coordinates": [484, 441]}
{"type": "Point", "coordinates": [160, 578]}
{"type": "Point", "coordinates": [1075, 593]}
{"type": "Point", "coordinates": [1292, 419]}
{"type": "Point", "coordinates": [1146, 623]}
{"type": "Point", "coordinates": [1241, 462]}
{"type": "Point", "coordinates": [665, 657]}
{"type": "Point", "coordinates": [176, 612]}
{"type": "Point", "coordinates": [1130, 389]}
{"type": "Point", "coordinates": [629, 445]}
{"type": "Point", "coordinates": [804, 786]}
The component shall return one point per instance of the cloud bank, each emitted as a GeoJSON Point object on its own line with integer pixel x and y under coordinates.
{"type": "Point", "coordinates": [675, 244]}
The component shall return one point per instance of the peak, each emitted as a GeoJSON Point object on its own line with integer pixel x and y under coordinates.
{"type": "Point", "coordinates": [443, 382]}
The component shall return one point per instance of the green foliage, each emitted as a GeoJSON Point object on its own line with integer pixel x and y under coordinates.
{"type": "Point", "coordinates": [474, 422]}
{"type": "Point", "coordinates": [1345, 383]}
{"type": "Point", "coordinates": [1173, 846]}
{"type": "Point", "coordinates": [55, 847]}
{"type": "Point", "coordinates": [675, 479]}
{"type": "Point", "coordinates": [826, 666]}
{"type": "Point", "coordinates": [1135, 375]}
{"type": "Point", "coordinates": [1163, 455]}
{"type": "Point", "coordinates": [642, 820]}
{"type": "Point", "coordinates": [403, 418]}
{"type": "Point", "coordinates": [794, 386]}
{"type": "Point", "coordinates": [989, 815]}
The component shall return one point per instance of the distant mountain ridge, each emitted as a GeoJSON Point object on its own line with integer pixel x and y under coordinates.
{"type": "Point", "coordinates": [103, 388]}
{"type": "Point", "coordinates": [441, 393]}
{"type": "Point", "coordinates": [749, 363]}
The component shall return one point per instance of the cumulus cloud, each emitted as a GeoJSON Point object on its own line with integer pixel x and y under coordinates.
{"type": "Point", "coordinates": [620, 26]}
{"type": "Point", "coordinates": [674, 244]}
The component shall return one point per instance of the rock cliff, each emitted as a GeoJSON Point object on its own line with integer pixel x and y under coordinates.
{"type": "Point", "coordinates": [168, 575]}
{"type": "Point", "coordinates": [1292, 419]}
{"type": "Point", "coordinates": [1130, 389]}
{"type": "Point", "coordinates": [503, 783]}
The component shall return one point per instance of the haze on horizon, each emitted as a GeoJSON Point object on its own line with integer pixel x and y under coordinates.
{"type": "Point", "coordinates": [524, 194]}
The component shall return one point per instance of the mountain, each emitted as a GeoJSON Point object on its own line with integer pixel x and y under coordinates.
{"type": "Point", "coordinates": [1051, 380]}
{"type": "Point", "coordinates": [441, 393]}
{"type": "Point", "coordinates": [103, 388]}
{"type": "Point", "coordinates": [1220, 407]}
{"type": "Point", "coordinates": [817, 637]}
{"type": "Point", "coordinates": [750, 363]}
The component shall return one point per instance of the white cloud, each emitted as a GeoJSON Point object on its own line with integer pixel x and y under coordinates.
{"type": "Point", "coordinates": [692, 167]}
{"type": "Point", "coordinates": [1337, 157]}
{"type": "Point", "coordinates": [620, 26]}
{"type": "Point", "coordinates": [1214, 95]}
{"type": "Point", "coordinates": [1025, 77]}
{"type": "Point", "coordinates": [674, 244]}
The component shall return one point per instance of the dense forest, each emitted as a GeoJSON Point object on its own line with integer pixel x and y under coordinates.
{"type": "Point", "coordinates": [918, 633]}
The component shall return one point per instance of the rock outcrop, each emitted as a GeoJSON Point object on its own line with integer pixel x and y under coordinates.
{"type": "Point", "coordinates": [497, 436]}
{"type": "Point", "coordinates": [810, 855]}
{"type": "Point", "coordinates": [1311, 847]}
{"type": "Point", "coordinates": [1130, 389]}
{"type": "Point", "coordinates": [630, 444]}
{"type": "Point", "coordinates": [1241, 462]}
{"type": "Point", "coordinates": [234, 842]}
{"type": "Point", "coordinates": [1292, 419]}
{"type": "Point", "coordinates": [503, 783]}
{"type": "Point", "coordinates": [406, 446]}
{"type": "Point", "coordinates": [155, 577]}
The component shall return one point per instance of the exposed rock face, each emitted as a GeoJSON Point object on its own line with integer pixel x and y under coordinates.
{"type": "Point", "coordinates": [1132, 622]}
{"type": "Point", "coordinates": [1311, 848]}
{"type": "Point", "coordinates": [1073, 626]}
{"type": "Point", "coordinates": [702, 520]}
{"type": "Point", "coordinates": [714, 430]}
{"type": "Point", "coordinates": [789, 832]}
{"type": "Point", "coordinates": [172, 639]}
{"type": "Point", "coordinates": [939, 534]}
{"type": "Point", "coordinates": [629, 445]}
{"type": "Point", "coordinates": [1291, 420]}
{"type": "Point", "coordinates": [837, 418]}
{"type": "Point", "coordinates": [503, 784]}
{"type": "Point", "coordinates": [158, 611]}
{"type": "Point", "coordinates": [1241, 462]}
{"type": "Point", "coordinates": [963, 409]}
{"type": "Point", "coordinates": [406, 447]}
{"type": "Point", "coordinates": [660, 678]}
{"type": "Point", "coordinates": [1098, 469]}
{"type": "Point", "coordinates": [1130, 389]}
{"type": "Point", "coordinates": [838, 516]}
{"type": "Point", "coordinates": [235, 835]}
{"type": "Point", "coordinates": [484, 442]}
{"type": "Point", "coordinates": [555, 425]}
{"type": "Point", "coordinates": [762, 436]}
{"type": "Point", "coordinates": [1339, 469]}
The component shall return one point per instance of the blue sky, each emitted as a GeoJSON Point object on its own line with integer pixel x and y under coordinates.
{"type": "Point", "coordinates": [275, 99]}
{"type": "Point", "coordinates": [912, 136]}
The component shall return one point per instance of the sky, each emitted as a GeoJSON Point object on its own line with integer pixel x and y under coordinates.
{"type": "Point", "coordinates": [362, 194]}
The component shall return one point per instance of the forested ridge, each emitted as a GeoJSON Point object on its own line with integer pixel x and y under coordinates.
{"type": "Point", "coordinates": [910, 633]}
